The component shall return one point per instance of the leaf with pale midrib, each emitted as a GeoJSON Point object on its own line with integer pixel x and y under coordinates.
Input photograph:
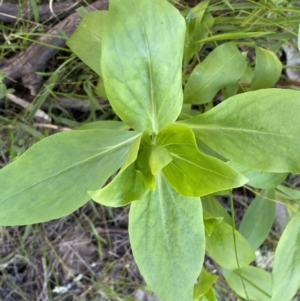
{"type": "Point", "coordinates": [258, 129]}
{"type": "Point", "coordinates": [141, 62]}
{"type": "Point", "coordinates": [168, 243]}
{"type": "Point", "coordinates": [192, 173]}
{"type": "Point", "coordinates": [52, 178]}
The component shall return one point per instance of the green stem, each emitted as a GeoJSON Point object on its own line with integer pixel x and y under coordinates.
{"type": "Point", "coordinates": [234, 242]}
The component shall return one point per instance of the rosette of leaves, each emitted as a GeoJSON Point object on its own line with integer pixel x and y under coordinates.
{"type": "Point", "coordinates": [137, 49]}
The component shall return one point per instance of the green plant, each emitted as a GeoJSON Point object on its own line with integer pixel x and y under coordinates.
{"type": "Point", "coordinates": [3, 89]}
{"type": "Point", "coordinates": [164, 166]}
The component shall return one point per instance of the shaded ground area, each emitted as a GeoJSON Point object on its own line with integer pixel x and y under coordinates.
{"type": "Point", "coordinates": [84, 256]}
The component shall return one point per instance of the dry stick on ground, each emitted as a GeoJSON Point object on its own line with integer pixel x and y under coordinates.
{"type": "Point", "coordinates": [25, 64]}
{"type": "Point", "coordinates": [23, 103]}
{"type": "Point", "coordinates": [10, 12]}
{"type": "Point", "coordinates": [79, 104]}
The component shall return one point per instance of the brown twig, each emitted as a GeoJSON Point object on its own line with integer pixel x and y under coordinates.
{"type": "Point", "coordinates": [27, 63]}
{"type": "Point", "coordinates": [83, 105]}
{"type": "Point", "coordinates": [10, 12]}
{"type": "Point", "coordinates": [25, 104]}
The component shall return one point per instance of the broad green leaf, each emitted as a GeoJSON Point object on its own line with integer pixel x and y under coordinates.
{"type": "Point", "coordinates": [159, 158]}
{"type": "Point", "coordinates": [220, 246]}
{"type": "Point", "coordinates": [51, 179]}
{"type": "Point", "coordinates": [258, 129]}
{"type": "Point", "coordinates": [141, 62]}
{"type": "Point", "coordinates": [259, 218]}
{"type": "Point", "coordinates": [267, 69]}
{"type": "Point", "coordinates": [247, 76]}
{"type": "Point", "coordinates": [210, 222]}
{"type": "Point", "coordinates": [257, 178]}
{"type": "Point", "coordinates": [153, 159]}
{"type": "Point", "coordinates": [214, 208]}
{"type": "Point", "coordinates": [142, 163]}
{"type": "Point", "coordinates": [126, 187]}
{"type": "Point", "coordinates": [286, 208]}
{"type": "Point", "coordinates": [168, 243]}
{"type": "Point", "coordinates": [207, 150]}
{"type": "Point", "coordinates": [209, 296]}
{"type": "Point", "coordinates": [286, 268]}
{"type": "Point", "coordinates": [85, 41]}
{"type": "Point", "coordinates": [231, 90]}
{"type": "Point", "coordinates": [292, 194]}
{"type": "Point", "coordinates": [132, 152]}
{"type": "Point", "coordinates": [215, 73]}
{"type": "Point", "coordinates": [104, 125]}
{"type": "Point", "coordinates": [100, 89]}
{"type": "Point", "coordinates": [192, 173]}
{"type": "Point", "coordinates": [81, 11]}
{"type": "Point", "coordinates": [256, 281]}
{"type": "Point", "coordinates": [204, 283]}
{"type": "Point", "coordinates": [187, 112]}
